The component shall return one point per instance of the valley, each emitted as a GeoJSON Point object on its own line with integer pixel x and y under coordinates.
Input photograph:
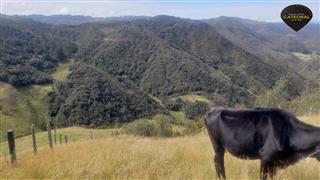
{"type": "Point", "coordinates": [130, 93]}
{"type": "Point", "coordinates": [101, 72]}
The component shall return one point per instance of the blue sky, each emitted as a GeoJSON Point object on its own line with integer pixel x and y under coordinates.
{"type": "Point", "coordinates": [261, 10]}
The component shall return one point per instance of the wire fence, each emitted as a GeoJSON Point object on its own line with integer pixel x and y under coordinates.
{"type": "Point", "coordinates": [55, 137]}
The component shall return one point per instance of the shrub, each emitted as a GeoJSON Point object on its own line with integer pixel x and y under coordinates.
{"type": "Point", "coordinates": [195, 110]}
{"type": "Point", "coordinates": [142, 127]}
{"type": "Point", "coordinates": [174, 105]}
{"type": "Point", "coordinates": [159, 127]}
{"type": "Point", "coordinates": [165, 129]}
{"type": "Point", "coordinates": [190, 127]}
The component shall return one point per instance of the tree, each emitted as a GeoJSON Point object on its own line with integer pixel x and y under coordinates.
{"type": "Point", "coordinates": [69, 49]}
{"type": "Point", "coordinates": [59, 54]}
{"type": "Point", "coordinates": [279, 93]}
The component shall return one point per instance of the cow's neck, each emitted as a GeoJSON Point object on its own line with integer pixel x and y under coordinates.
{"type": "Point", "coordinates": [307, 139]}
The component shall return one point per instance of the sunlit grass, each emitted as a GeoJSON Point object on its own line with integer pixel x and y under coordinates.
{"type": "Point", "coordinates": [62, 71]}
{"type": "Point", "coordinates": [129, 157]}
{"type": "Point", "coordinates": [314, 119]}
{"type": "Point", "coordinates": [24, 144]}
{"type": "Point", "coordinates": [306, 57]}
{"type": "Point", "coordinates": [194, 98]}
{"type": "Point", "coordinates": [15, 110]}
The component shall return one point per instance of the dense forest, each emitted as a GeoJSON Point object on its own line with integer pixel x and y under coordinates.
{"type": "Point", "coordinates": [103, 72]}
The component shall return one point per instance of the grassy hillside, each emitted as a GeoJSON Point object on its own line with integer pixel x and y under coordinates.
{"type": "Point", "coordinates": [22, 106]}
{"type": "Point", "coordinates": [306, 57]}
{"type": "Point", "coordinates": [124, 69]}
{"type": "Point", "coordinates": [62, 71]}
{"type": "Point", "coordinates": [24, 144]}
{"type": "Point", "coordinates": [129, 157]}
{"type": "Point", "coordinates": [19, 108]}
{"type": "Point", "coordinates": [194, 98]}
{"type": "Point", "coordinates": [13, 111]}
{"type": "Point", "coordinates": [174, 122]}
{"type": "Point", "coordinates": [310, 66]}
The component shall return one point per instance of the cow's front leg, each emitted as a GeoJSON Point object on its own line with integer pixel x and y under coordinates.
{"type": "Point", "coordinates": [263, 171]}
{"type": "Point", "coordinates": [267, 169]}
{"type": "Point", "coordinates": [219, 163]}
{"type": "Point", "coordinates": [272, 172]}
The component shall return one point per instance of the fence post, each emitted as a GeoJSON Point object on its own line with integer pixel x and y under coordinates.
{"type": "Point", "coordinates": [12, 146]}
{"type": "Point", "coordinates": [34, 143]}
{"type": "Point", "coordinates": [91, 135]}
{"type": "Point", "coordinates": [310, 111]}
{"type": "Point", "coordinates": [49, 135]}
{"type": "Point", "coordinates": [55, 134]}
{"type": "Point", "coordinates": [66, 139]}
{"type": "Point", "coordinates": [60, 138]}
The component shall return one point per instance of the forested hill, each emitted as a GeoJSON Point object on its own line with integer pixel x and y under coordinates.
{"type": "Point", "coordinates": [30, 50]}
{"type": "Point", "coordinates": [275, 42]}
{"type": "Point", "coordinates": [115, 71]}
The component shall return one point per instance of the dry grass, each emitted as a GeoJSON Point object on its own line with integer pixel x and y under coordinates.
{"type": "Point", "coordinates": [24, 144]}
{"type": "Point", "coordinates": [313, 119]}
{"type": "Point", "coordinates": [194, 98]}
{"type": "Point", "coordinates": [128, 157]}
{"type": "Point", "coordinates": [140, 158]}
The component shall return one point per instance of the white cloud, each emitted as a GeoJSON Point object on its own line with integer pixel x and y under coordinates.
{"type": "Point", "coordinates": [274, 20]}
{"type": "Point", "coordinates": [256, 11]}
{"type": "Point", "coordinates": [64, 10]}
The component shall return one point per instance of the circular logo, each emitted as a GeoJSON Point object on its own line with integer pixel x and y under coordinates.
{"type": "Point", "coordinates": [296, 16]}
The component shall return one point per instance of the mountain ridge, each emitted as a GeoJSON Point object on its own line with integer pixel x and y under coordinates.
{"type": "Point", "coordinates": [126, 69]}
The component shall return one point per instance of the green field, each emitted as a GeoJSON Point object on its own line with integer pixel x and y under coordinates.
{"type": "Point", "coordinates": [62, 71]}
{"type": "Point", "coordinates": [177, 120]}
{"type": "Point", "coordinates": [21, 107]}
{"type": "Point", "coordinates": [306, 57]}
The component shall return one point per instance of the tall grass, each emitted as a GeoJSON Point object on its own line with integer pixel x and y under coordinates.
{"type": "Point", "coordinates": [133, 157]}
{"type": "Point", "coordinates": [129, 157]}
{"type": "Point", "coordinates": [24, 144]}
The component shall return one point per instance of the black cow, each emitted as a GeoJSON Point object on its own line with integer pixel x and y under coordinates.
{"type": "Point", "coordinates": [274, 136]}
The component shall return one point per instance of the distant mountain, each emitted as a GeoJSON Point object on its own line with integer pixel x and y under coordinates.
{"type": "Point", "coordinates": [62, 19]}
{"type": "Point", "coordinates": [29, 50]}
{"type": "Point", "coordinates": [310, 69]}
{"type": "Point", "coordinates": [279, 34]}
{"type": "Point", "coordinates": [77, 19]}
{"type": "Point", "coordinates": [275, 43]}
{"type": "Point", "coordinates": [133, 67]}
{"type": "Point", "coordinates": [186, 48]}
